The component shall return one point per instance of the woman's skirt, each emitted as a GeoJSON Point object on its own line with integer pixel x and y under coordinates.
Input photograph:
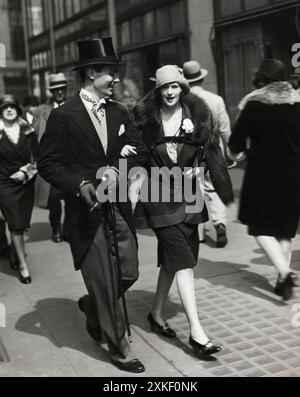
{"type": "Point", "coordinates": [178, 246]}
{"type": "Point", "coordinates": [16, 203]}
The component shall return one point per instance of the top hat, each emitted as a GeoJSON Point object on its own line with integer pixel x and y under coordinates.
{"type": "Point", "coordinates": [169, 74]}
{"type": "Point", "coordinates": [193, 72]}
{"type": "Point", "coordinates": [273, 69]}
{"type": "Point", "coordinates": [96, 52]}
{"type": "Point", "coordinates": [11, 100]}
{"type": "Point", "coordinates": [57, 81]}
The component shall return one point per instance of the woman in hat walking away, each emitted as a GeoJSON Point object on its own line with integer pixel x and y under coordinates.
{"type": "Point", "coordinates": [270, 199]}
{"type": "Point", "coordinates": [177, 128]}
{"type": "Point", "coordinates": [18, 146]}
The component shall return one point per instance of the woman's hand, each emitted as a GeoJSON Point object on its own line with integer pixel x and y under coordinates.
{"type": "Point", "coordinates": [128, 150]}
{"type": "Point", "coordinates": [236, 157]}
{"type": "Point", "coordinates": [19, 177]}
{"type": "Point", "coordinates": [193, 173]}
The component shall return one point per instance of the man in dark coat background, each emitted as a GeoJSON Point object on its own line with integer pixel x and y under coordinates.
{"type": "Point", "coordinates": [84, 135]}
{"type": "Point", "coordinates": [47, 196]}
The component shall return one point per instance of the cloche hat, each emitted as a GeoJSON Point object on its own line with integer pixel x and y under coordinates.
{"type": "Point", "coordinates": [169, 74]}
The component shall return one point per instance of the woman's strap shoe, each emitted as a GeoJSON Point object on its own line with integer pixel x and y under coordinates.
{"type": "Point", "coordinates": [285, 288]}
{"type": "Point", "coordinates": [24, 280]}
{"type": "Point", "coordinates": [204, 350]}
{"type": "Point", "coordinates": [164, 331]}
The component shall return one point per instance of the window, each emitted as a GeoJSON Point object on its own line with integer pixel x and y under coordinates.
{"type": "Point", "coordinates": [59, 11]}
{"type": "Point", "coordinates": [163, 16]}
{"type": "Point", "coordinates": [76, 6]}
{"type": "Point", "coordinates": [16, 30]}
{"type": "Point", "coordinates": [136, 29]}
{"type": "Point", "coordinates": [149, 25]}
{"type": "Point", "coordinates": [228, 7]}
{"type": "Point", "coordinates": [249, 5]}
{"type": "Point", "coordinates": [46, 14]}
{"type": "Point", "coordinates": [69, 8]}
{"type": "Point", "coordinates": [178, 17]}
{"type": "Point", "coordinates": [36, 20]}
{"type": "Point", "coordinates": [125, 33]}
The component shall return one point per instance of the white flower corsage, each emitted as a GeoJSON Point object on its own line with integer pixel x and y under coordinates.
{"type": "Point", "coordinates": [188, 126]}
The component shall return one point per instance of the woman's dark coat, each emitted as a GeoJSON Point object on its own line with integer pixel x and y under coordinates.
{"type": "Point", "coordinates": [269, 125]}
{"type": "Point", "coordinates": [203, 139]}
{"type": "Point", "coordinates": [16, 199]}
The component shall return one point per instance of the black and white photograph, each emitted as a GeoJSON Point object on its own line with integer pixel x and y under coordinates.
{"type": "Point", "coordinates": [149, 191]}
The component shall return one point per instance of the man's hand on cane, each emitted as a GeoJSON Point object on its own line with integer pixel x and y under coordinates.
{"type": "Point", "coordinates": [88, 193]}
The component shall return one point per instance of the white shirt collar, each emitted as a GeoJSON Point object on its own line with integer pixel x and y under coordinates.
{"type": "Point", "coordinates": [57, 105]}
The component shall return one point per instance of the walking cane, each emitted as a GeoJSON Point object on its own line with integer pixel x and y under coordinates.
{"type": "Point", "coordinates": [115, 238]}
{"type": "Point", "coordinates": [118, 261]}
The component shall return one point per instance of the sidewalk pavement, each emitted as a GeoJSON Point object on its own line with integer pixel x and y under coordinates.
{"type": "Point", "coordinates": [45, 332]}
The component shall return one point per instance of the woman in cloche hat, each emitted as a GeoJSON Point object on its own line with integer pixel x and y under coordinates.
{"type": "Point", "coordinates": [270, 199]}
{"type": "Point", "coordinates": [18, 146]}
{"type": "Point", "coordinates": [176, 127]}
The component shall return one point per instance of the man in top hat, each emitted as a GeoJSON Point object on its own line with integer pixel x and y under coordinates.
{"type": "Point", "coordinates": [84, 135]}
{"type": "Point", "coordinates": [218, 213]}
{"type": "Point", "coordinates": [48, 196]}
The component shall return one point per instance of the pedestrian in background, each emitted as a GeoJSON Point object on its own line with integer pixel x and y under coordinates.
{"type": "Point", "coordinates": [270, 198]}
{"type": "Point", "coordinates": [18, 147]}
{"type": "Point", "coordinates": [48, 196]}
{"type": "Point", "coordinates": [177, 129]}
{"type": "Point", "coordinates": [195, 75]}
{"type": "Point", "coordinates": [30, 106]}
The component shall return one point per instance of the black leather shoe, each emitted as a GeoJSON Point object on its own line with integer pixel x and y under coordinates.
{"type": "Point", "coordinates": [204, 350]}
{"type": "Point", "coordinates": [130, 366]}
{"type": "Point", "coordinates": [285, 288]}
{"type": "Point", "coordinates": [221, 235]}
{"type": "Point", "coordinates": [278, 286]}
{"type": "Point", "coordinates": [94, 332]}
{"type": "Point", "coordinates": [24, 280]}
{"type": "Point", "coordinates": [56, 236]}
{"type": "Point", "coordinates": [164, 331]}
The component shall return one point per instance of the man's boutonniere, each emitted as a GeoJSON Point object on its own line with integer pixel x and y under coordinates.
{"type": "Point", "coordinates": [188, 126]}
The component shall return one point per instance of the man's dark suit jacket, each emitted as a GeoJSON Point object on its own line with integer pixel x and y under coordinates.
{"type": "Point", "coordinates": [70, 151]}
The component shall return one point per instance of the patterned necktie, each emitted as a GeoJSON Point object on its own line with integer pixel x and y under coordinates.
{"type": "Point", "coordinates": [98, 112]}
{"type": "Point", "coordinates": [98, 106]}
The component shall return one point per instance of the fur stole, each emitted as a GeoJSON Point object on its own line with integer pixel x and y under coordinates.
{"type": "Point", "coordinates": [147, 117]}
{"type": "Point", "coordinates": [25, 128]}
{"type": "Point", "coordinates": [278, 93]}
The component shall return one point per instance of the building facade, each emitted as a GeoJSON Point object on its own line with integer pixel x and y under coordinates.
{"type": "Point", "coordinates": [229, 38]}
{"type": "Point", "coordinates": [13, 79]}
{"type": "Point", "coordinates": [149, 33]}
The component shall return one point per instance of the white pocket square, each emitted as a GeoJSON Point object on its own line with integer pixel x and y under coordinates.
{"type": "Point", "coordinates": [121, 130]}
